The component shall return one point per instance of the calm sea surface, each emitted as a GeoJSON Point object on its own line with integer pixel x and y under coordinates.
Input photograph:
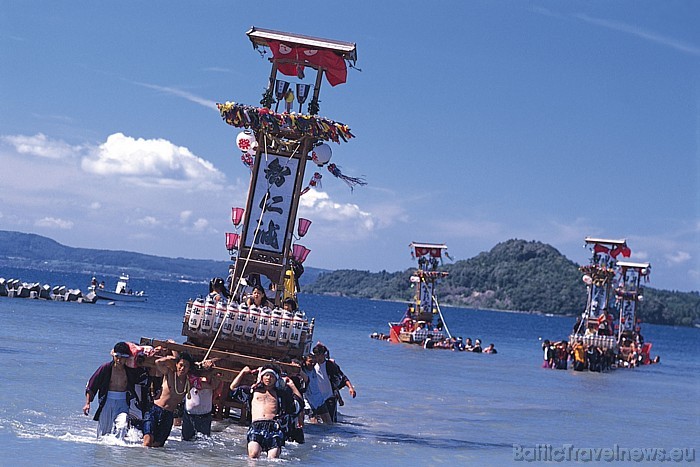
{"type": "Point", "coordinates": [414, 407]}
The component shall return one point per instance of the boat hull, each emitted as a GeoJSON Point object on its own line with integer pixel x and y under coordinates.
{"type": "Point", "coordinates": [122, 297]}
{"type": "Point", "coordinates": [398, 334]}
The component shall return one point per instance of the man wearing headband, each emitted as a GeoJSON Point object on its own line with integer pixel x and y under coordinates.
{"type": "Point", "coordinates": [274, 404]}
{"type": "Point", "coordinates": [113, 383]}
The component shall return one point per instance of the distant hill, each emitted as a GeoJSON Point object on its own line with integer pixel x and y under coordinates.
{"type": "Point", "coordinates": [32, 251]}
{"type": "Point", "coordinates": [515, 275]}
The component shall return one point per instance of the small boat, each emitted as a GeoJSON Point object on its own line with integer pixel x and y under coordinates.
{"type": "Point", "coordinates": [121, 292]}
{"type": "Point", "coordinates": [417, 325]}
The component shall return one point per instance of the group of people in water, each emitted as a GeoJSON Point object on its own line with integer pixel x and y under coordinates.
{"type": "Point", "coordinates": [450, 343]}
{"type": "Point", "coordinates": [595, 350]}
{"type": "Point", "coordinates": [153, 388]}
{"type": "Point", "coordinates": [459, 344]}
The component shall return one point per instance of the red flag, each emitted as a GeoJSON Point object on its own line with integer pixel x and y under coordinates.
{"type": "Point", "coordinates": [336, 70]}
{"type": "Point", "coordinates": [420, 251]}
{"type": "Point", "coordinates": [600, 249]}
{"type": "Point", "coordinates": [332, 63]}
{"type": "Point", "coordinates": [282, 51]}
{"type": "Point", "coordinates": [621, 249]}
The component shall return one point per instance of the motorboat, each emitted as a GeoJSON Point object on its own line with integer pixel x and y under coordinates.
{"type": "Point", "coordinates": [121, 292]}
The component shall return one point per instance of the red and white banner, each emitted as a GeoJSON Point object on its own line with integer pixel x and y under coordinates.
{"type": "Point", "coordinates": [332, 63]}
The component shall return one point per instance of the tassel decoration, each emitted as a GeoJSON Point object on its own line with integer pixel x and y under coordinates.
{"type": "Point", "coordinates": [315, 181]}
{"type": "Point", "coordinates": [350, 181]}
{"type": "Point", "coordinates": [264, 119]}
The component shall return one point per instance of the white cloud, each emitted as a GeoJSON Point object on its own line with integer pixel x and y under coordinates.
{"type": "Point", "coordinates": [185, 215]}
{"type": "Point", "coordinates": [148, 221]}
{"type": "Point", "coordinates": [168, 208]}
{"type": "Point", "coordinates": [318, 204]}
{"type": "Point", "coordinates": [40, 145]}
{"type": "Point", "coordinates": [145, 159]}
{"type": "Point", "coordinates": [54, 223]}
{"type": "Point", "coordinates": [678, 257]}
{"type": "Point", "coordinates": [639, 255]}
{"type": "Point", "coordinates": [201, 225]}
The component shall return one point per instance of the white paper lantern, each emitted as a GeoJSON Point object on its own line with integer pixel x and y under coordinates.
{"type": "Point", "coordinates": [587, 279]}
{"type": "Point", "coordinates": [245, 141]}
{"type": "Point", "coordinates": [254, 149]}
{"type": "Point", "coordinates": [321, 154]}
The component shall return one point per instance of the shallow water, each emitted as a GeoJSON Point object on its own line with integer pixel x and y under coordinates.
{"type": "Point", "coordinates": [413, 406]}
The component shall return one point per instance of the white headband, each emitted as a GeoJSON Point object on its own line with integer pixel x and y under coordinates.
{"type": "Point", "coordinates": [266, 371]}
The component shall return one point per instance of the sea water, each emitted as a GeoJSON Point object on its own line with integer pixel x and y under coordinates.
{"type": "Point", "coordinates": [413, 406]}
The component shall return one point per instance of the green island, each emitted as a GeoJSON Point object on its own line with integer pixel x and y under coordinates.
{"type": "Point", "coordinates": [516, 275]}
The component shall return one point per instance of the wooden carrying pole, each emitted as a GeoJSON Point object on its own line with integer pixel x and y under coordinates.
{"type": "Point", "coordinates": [229, 364]}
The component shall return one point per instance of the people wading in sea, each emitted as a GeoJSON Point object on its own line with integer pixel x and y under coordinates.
{"type": "Point", "coordinates": [197, 413]}
{"type": "Point", "coordinates": [274, 404]}
{"type": "Point", "coordinates": [113, 383]}
{"type": "Point", "coordinates": [158, 421]}
{"type": "Point", "coordinates": [325, 379]}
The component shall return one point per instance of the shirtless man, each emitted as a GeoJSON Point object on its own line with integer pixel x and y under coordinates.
{"type": "Point", "coordinates": [114, 383]}
{"type": "Point", "coordinates": [274, 404]}
{"type": "Point", "coordinates": [158, 421]}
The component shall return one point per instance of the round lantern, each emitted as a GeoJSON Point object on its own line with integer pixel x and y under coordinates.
{"type": "Point", "coordinates": [587, 279]}
{"type": "Point", "coordinates": [246, 141]}
{"type": "Point", "coordinates": [321, 154]}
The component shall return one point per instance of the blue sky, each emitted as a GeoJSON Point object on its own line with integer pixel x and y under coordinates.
{"type": "Point", "coordinates": [476, 122]}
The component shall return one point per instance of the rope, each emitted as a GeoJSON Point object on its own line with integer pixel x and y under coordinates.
{"type": "Point", "coordinates": [444, 323]}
